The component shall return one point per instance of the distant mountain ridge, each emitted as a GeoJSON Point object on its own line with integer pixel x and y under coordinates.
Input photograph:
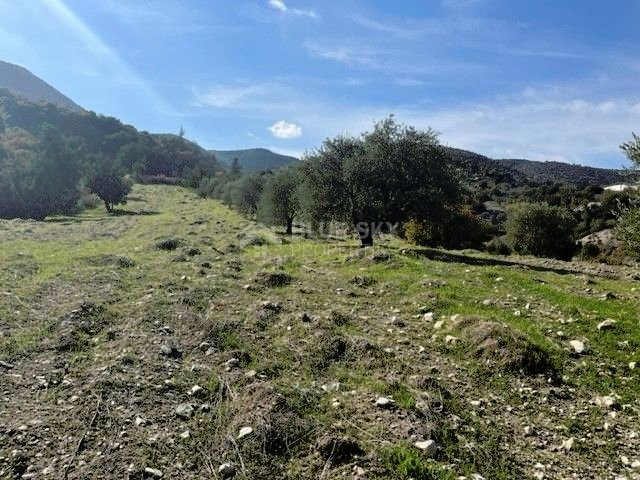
{"type": "Point", "coordinates": [519, 171]}
{"type": "Point", "coordinates": [255, 159]}
{"type": "Point", "coordinates": [21, 82]}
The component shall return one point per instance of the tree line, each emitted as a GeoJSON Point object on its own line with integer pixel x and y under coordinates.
{"type": "Point", "coordinates": [55, 161]}
{"type": "Point", "coordinates": [398, 175]}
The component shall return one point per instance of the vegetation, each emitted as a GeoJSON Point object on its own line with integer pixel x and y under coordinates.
{"type": "Point", "coordinates": [107, 181]}
{"type": "Point", "coordinates": [279, 202]}
{"type": "Point", "coordinates": [390, 175]}
{"type": "Point", "coordinates": [628, 228]}
{"type": "Point", "coordinates": [541, 230]}
{"type": "Point", "coordinates": [90, 300]}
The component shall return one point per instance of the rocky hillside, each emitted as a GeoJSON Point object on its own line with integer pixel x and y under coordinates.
{"type": "Point", "coordinates": [23, 83]}
{"type": "Point", "coordinates": [179, 340]}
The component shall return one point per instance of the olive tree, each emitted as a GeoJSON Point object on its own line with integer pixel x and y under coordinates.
{"type": "Point", "coordinates": [279, 204]}
{"type": "Point", "coordinates": [106, 180]}
{"type": "Point", "coordinates": [387, 176]}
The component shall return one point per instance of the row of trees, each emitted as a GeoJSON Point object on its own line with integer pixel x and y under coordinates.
{"type": "Point", "coordinates": [46, 173]}
{"type": "Point", "coordinates": [397, 175]}
{"type": "Point", "coordinates": [390, 176]}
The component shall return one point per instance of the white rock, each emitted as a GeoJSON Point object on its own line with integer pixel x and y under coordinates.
{"type": "Point", "coordinates": [438, 325]}
{"type": "Point", "coordinates": [567, 445]}
{"type": "Point", "coordinates": [428, 317]}
{"type": "Point", "coordinates": [429, 447]}
{"type": "Point", "coordinates": [139, 421]}
{"type": "Point", "coordinates": [184, 435]}
{"type": "Point", "coordinates": [608, 324]}
{"type": "Point", "coordinates": [244, 431]}
{"type": "Point", "coordinates": [577, 346]}
{"type": "Point", "coordinates": [608, 401]}
{"type": "Point", "coordinates": [450, 339]}
{"type": "Point", "coordinates": [154, 472]}
{"type": "Point", "coordinates": [226, 470]}
{"type": "Point", "coordinates": [196, 391]}
{"type": "Point", "coordinates": [632, 365]}
{"type": "Point", "coordinates": [184, 411]}
{"type": "Point", "coordinates": [384, 402]}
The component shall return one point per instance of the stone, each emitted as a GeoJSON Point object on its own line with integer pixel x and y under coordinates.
{"type": "Point", "coordinates": [184, 410]}
{"type": "Point", "coordinates": [244, 431]}
{"type": "Point", "coordinates": [384, 402]}
{"type": "Point", "coordinates": [632, 365]}
{"type": "Point", "coordinates": [185, 435]}
{"type": "Point", "coordinates": [567, 445]}
{"type": "Point", "coordinates": [438, 325]}
{"type": "Point", "coordinates": [607, 324]}
{"type": "Point", "coordinates": [197, 391]}
{"type": "Point", "coordinates": [608, 401]}
{"type": "Point", "coordinates": [428, 317]}
{"type": "Point", "coordinates": [430, 447]}
{"type": "Point", "coordinates": [226, 470]}
{"type": "Point", "coordinates": [578, 346]}
{"type": "Point", "coordinates": [451, 340]}
{"type": "Point", "coordinates": [153, 472]}
{"type": "Point", "coordinates": [170, 351]}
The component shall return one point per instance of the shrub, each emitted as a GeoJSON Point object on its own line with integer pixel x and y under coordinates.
{"type": "Point", "coordinates": [589, 251]}
{"type": "Point", "coordinates": [628, 229]}
{"type": "Point", "coordinates": [541, 230]}
{"type": "Point", "coordinates": [462, 229]}
{"type": "Point", "coordinates": [498, 246]}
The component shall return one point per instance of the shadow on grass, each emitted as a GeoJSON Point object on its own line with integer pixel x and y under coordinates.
{"type": "Point", "coordinates": [82, 218]}
{"type": "Point", "coordinates": [450, 257]}
{"type": "Point", "coordinates": [121, 213]}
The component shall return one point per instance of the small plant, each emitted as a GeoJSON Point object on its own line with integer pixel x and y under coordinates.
{"type": "Point", "coordinates": [407, 462]}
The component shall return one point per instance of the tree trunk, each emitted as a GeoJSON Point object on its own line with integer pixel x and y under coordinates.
{"type": "Point", "coordinates": [108, 206]}
{"type": "Point", "coordinates": [366, 235]}
{"type": "Point", "coordinates": [289, 226]}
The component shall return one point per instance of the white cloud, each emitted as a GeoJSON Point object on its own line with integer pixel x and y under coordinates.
{"type": "Point", "coordinates": [225, 96]}
{"type": "Point", "coordinates": [281, 6]}
{"type": "Point", "coordinates": [385, 59]}
{"type": "Point", "coordinates": [282, 129]}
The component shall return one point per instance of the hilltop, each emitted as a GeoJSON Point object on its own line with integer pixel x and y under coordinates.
{"type": "Point", "coordinates": [23, 83]}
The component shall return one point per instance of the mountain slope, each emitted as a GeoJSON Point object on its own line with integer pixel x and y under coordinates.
{"type": "Point", "coordinates": [23, 83]}
{"type": "Point", "coordinates": [519, 171]}
{"type": "Point", "coordinates": [254, 159]}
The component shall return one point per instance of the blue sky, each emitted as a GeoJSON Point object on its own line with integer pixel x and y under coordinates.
{"type": "Point", "coordinates": [545, 80]}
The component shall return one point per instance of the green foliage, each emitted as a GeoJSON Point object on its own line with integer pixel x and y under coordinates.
{"type": "Point", "coordinates": [39, 175]}
{"type": "Point", "coordinates": [541, 230]}
{"type": "Point", "coordinates": [628, 229]}
{"type": "Point", "coordinates": [497, 246]}
{"type": "Point", "coordinates": [407, 462]}
{"type": "Point", "coordinates": [391, 174]}
{"type": "Point", "coordinates": [244, 193]}
{"type": "Point", "coordinates": [106, 180]}
{"type": "Point", "coordinates": [632, 150]}
{"type": "Point", "coordinates": [461, 229]}
{"type": "Point", "coordinates": [279, 204]}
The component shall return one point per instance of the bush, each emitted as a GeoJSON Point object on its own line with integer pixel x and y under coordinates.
{"type": "Point", "coordinates": [589, 251]}
{"type": "Point", "coordinates": [628, 229]}
{"type": "Point", "coordinates": [462, 229]}
{"type": "Point", "coordinates": [498, 246]}
{"type": "Point", "coordinates": [541, 230]}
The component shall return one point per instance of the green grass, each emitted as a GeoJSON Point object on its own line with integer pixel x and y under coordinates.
{"type": "Point", "coordinates": [47, 271]}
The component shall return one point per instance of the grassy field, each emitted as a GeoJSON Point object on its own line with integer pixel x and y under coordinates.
{"type": "Point", "coordinates": [143, 343]}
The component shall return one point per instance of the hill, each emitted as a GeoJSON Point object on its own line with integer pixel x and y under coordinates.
{"type": "Point", "coordinates": [122, 358]}
{"type": "Point", "coordinates": [255, 159]}
{"type": "Point", "coordinates": [520, 171]}
{"type": "Point", "coordinates": [23, 83]}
